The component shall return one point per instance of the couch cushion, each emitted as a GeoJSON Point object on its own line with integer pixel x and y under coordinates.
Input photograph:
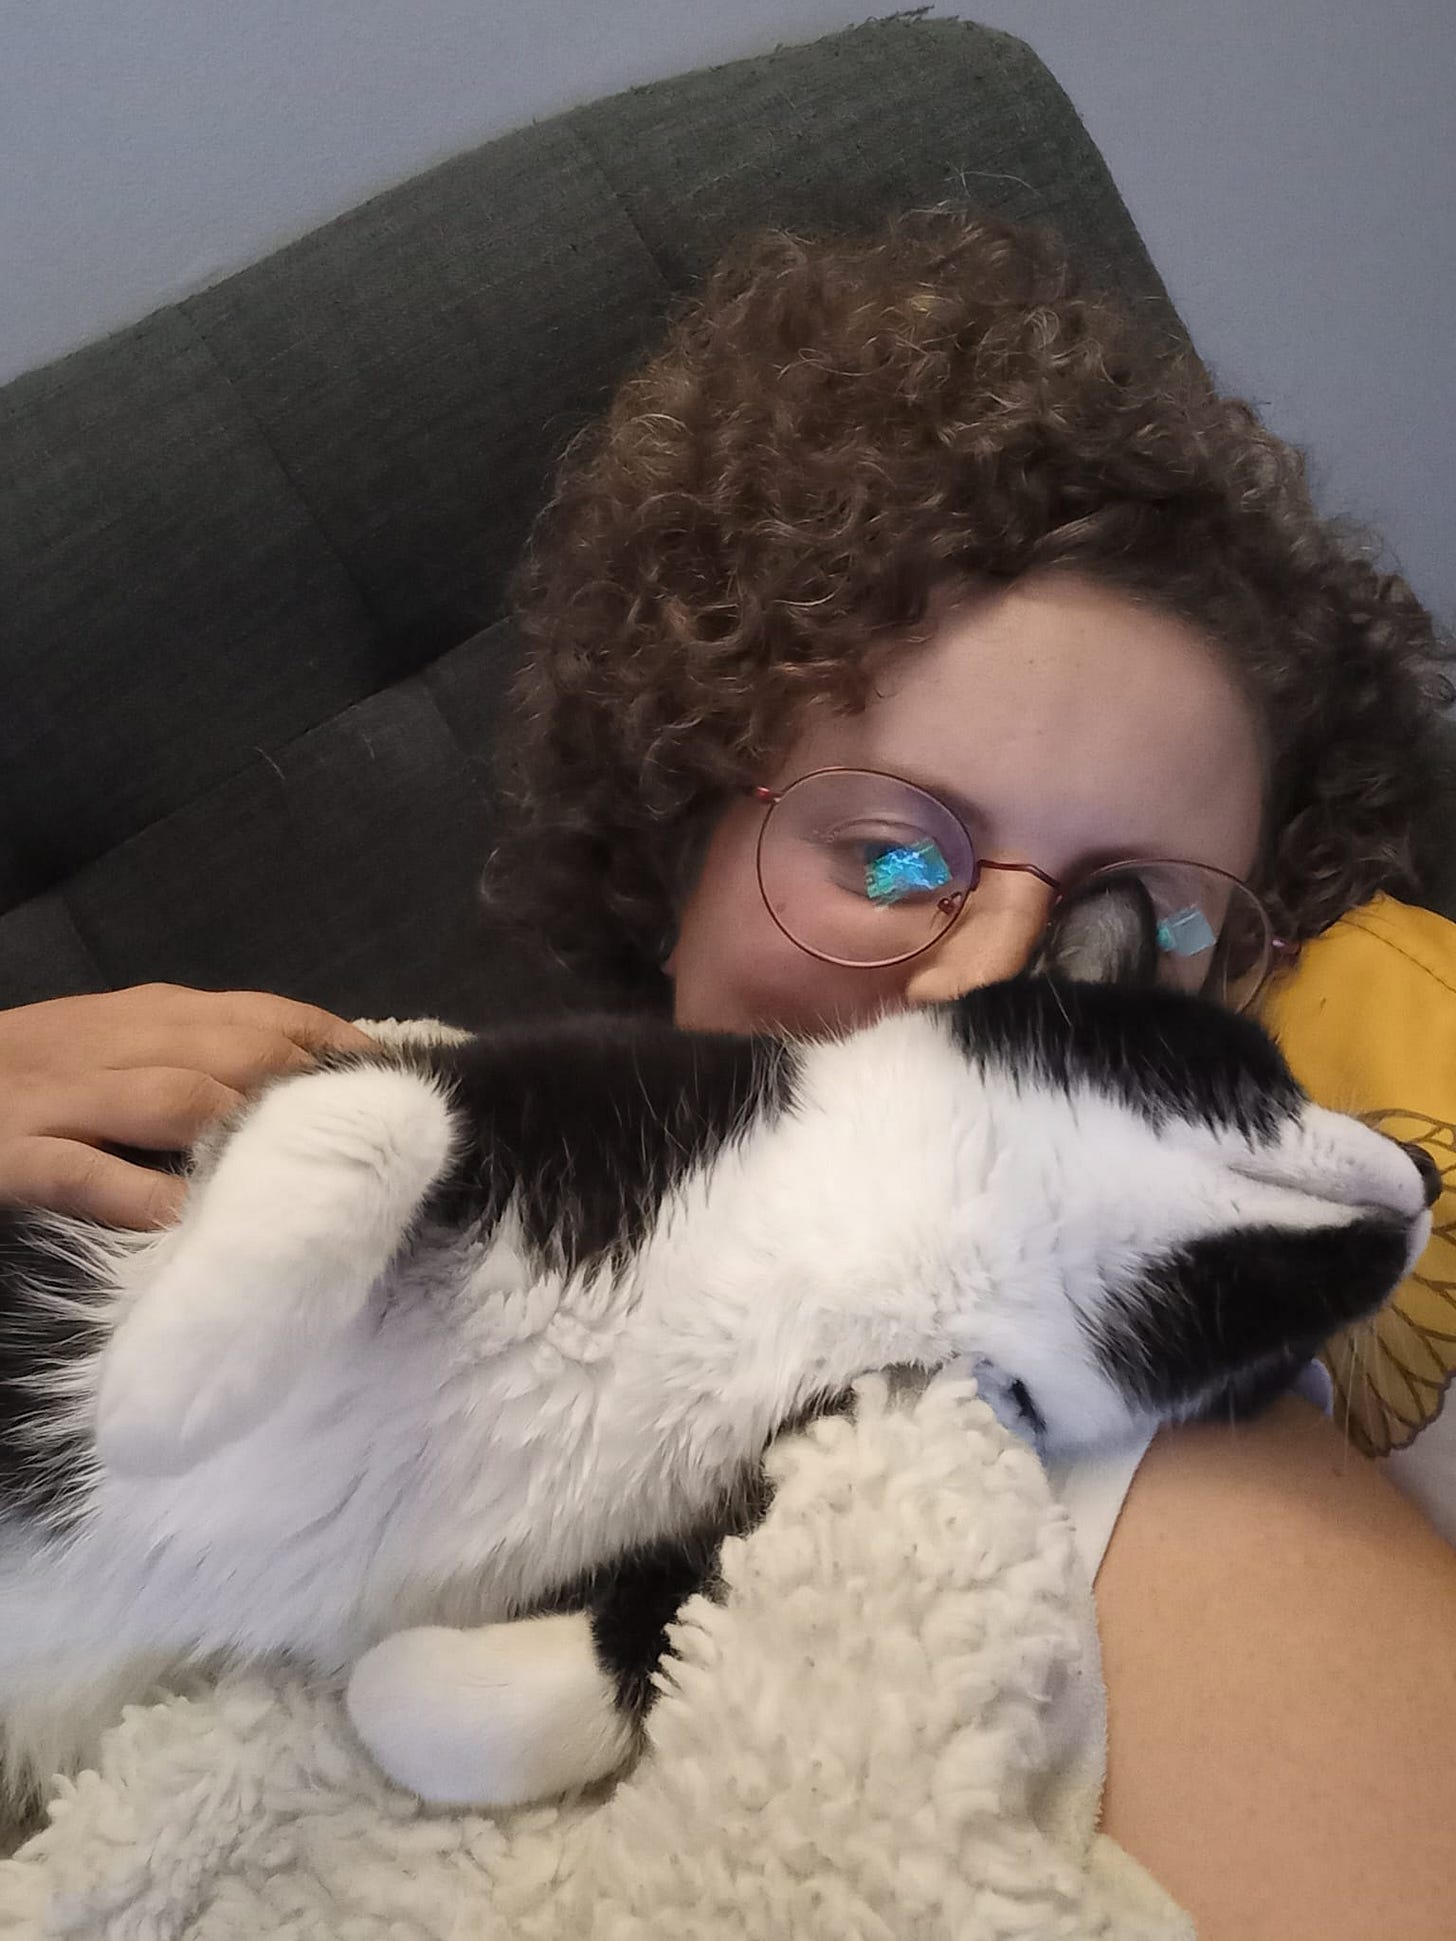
{"type": "Point", "coordinates": [341, 868]}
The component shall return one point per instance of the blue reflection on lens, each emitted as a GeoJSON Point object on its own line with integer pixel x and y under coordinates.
{"type": "Point", "coordinates": [1186, 933]}
{"type": "Point", "coordinates": [904, 870]}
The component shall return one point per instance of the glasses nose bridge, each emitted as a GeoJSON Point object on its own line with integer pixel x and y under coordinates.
{"type": "Point", "coordinates": [1019, 869]}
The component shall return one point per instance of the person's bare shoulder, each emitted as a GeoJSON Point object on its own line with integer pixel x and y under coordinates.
{"type": "Point", "coordinates": [1279, 1641]}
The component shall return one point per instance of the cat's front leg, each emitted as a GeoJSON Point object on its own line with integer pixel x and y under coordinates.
{"type": "Point", "coordinates": [501, 1715]}
{"type": "Point", "coordinates": [275, 1258]}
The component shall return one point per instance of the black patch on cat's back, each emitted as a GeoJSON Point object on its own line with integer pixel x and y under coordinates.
{"type": "Point", "coordinates": [588, 1122]}
{"type": "Point", "coordinates": [43, 1461]}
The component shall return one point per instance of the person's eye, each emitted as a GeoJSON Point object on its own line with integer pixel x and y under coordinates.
{"type": "Point", "coordinates": [900, 869]}
{"type": "Point", "coordinates": [887, 862]}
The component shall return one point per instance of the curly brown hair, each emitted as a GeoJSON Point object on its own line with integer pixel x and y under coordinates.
{"type": "Point", "coordinates": [831, 431]}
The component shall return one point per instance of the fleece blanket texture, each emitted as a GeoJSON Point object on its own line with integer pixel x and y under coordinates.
{"type": "Point", "coordinates": [889, 1726]}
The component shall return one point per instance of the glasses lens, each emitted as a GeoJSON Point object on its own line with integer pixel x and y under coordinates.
{"type": "Point", "coordinates": [862, 868]}
{"type": "Point", "coordinates": [1211, 934]}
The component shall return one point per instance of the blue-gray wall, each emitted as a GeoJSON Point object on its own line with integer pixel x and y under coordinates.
{"type": "Point", "coordinates": [1290, 162]}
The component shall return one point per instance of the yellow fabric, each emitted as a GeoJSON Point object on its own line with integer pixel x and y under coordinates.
{"type": "Point", "coordinates": [1367, 1020]}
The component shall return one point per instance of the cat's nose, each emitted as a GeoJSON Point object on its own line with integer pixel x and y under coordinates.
{"type": "Point", "coordinates": [1429, 1171]}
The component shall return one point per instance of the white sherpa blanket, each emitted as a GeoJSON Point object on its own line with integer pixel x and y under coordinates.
{"type": "Point", "coordinates": [891, 1727]}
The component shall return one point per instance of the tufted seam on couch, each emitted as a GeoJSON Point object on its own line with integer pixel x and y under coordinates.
{"type": "Point", "coordinates": [590, 155]}
{"type": "Point", "coordinates": [87, 943]}
{"type": "Point", "coordinates": [184, 312]}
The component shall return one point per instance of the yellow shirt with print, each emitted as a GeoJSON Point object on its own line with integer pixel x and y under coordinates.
{"type": "Point", "coordinates": [1367, 1020]}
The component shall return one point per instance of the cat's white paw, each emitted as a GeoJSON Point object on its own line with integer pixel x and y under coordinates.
{"type": "Point", "coordinates": [503, 1715]}
{"type": "Point", "coordinates": [178, 1383]}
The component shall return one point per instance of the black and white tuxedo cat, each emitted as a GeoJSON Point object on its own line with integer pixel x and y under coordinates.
{"type": "Point", "coordinates": [461, 1358]}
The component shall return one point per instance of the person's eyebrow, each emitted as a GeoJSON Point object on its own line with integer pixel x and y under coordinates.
{"type": "Point", "coordinates": [973, 814]}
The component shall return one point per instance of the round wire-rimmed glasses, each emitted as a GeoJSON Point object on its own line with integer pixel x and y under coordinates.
{"type": "Point", "coordinates": [866, 870]}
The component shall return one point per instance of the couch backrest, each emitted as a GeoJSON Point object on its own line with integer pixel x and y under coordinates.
{"type": "Point", "coordinates": [253, 550]}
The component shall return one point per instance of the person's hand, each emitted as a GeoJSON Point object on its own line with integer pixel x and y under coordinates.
{"type": "Point", "coordinates": [151, 1068]}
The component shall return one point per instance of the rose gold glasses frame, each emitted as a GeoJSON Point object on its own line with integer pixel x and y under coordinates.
{"type": "Point", "coordinates": [954, 905]}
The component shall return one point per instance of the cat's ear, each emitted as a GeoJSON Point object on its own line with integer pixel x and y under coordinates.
{"type": "Point", "coordinates": [1106, 934]}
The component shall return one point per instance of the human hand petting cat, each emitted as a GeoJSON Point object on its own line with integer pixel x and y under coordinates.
{"type": "Point", "coordinates": [150, 1067]}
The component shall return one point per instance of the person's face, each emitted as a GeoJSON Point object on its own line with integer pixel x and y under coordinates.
{"type": "Point", "coordinates": [1067, 724]}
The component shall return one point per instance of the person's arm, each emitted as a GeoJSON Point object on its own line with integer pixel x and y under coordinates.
{"type": "Point", "coordinates": [1279, 1642]}
{"type": "Point", "coordinates": [151, 1067]}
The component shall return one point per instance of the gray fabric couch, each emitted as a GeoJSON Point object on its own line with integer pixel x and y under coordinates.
{"type": "Point", "coordinates": [253, 550]}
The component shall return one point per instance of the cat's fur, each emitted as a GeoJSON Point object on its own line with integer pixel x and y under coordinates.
{"type": "Point", "coordinates": [459, 1335]}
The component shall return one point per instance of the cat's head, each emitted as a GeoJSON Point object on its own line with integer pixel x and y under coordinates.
{"type": "Point", "coordinates": [1167, 1226]}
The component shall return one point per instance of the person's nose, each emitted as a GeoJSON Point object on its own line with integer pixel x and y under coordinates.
{"type": "Point", "coordinates": [995, 936]}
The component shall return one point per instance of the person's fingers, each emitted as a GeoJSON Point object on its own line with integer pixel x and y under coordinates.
{"type": "Point", "coordinates": [162, 1110]}
{"type": "Point", "coordinates": [322, 1031]}
{"type": "Point", "coordinates": [234, 1055]}
{"type": "Point", "coordinates": [104, 1028]}
{"type": "Point", "coordinates": [62, 1176]}
{"type": "Point", "coordinates": [143, 1069]}
{"type": "Point", "coordinates": [305, 1024]}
